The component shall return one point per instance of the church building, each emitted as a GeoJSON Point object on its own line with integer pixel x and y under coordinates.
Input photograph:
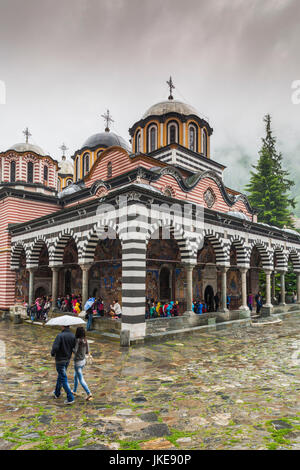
{"type": "Point", "coordinates": [150, 219]}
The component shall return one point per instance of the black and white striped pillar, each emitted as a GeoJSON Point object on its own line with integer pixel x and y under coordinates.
{"type": "Point", "coordinates": [134, 287]}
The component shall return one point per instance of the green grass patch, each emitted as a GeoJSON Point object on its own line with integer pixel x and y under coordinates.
{"type": "Point", "coordinates": [177, 435]}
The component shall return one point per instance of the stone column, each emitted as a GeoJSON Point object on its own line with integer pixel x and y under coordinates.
{"type": "Point", "coordinates": [85, 282]}
{"type": "Point", "coordinates": [282, 288]}
{"type": "Point", "coordinates": [31, 286]}
{"type": "Point", "coordinates": [244, 305]}
{"type": "Point", "coordinates": [189, 289]}
{"type": "Point", "coordinates": [267, 307]}
{"type": "Point", "coordinates": [273, 289]}
{"type": "Point", "coordinates": [298, 288]}
{"type": "Point", "coordinates": [55, 271]}
{"type": "Point", "coordinates": [224, 270]}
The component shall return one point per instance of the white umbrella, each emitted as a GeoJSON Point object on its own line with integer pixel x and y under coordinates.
{"type": "Point", "coordinates": [65, 320]}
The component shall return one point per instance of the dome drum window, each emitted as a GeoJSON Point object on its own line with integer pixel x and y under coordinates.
{"type": "Point", "coordinates": [152, 138]}
{"type": "Point", "coordinates": [204, 142]}
{"type": "Point", "coordinates": [192, 138]}
{"type": "Point", "coordinates": [173, 134]}
{"type": "Point", "coordinates": [45, 173]}
{"type": "Point", "coordinates": [138, 142]}
{"type": "Point", "coordinates": [77, 176]}
{"type": "Point", "coordinates": [85, 164]}
{"type": "Point", "coordinates": [12, 171]}
{"type": "Point", "coordinates": [30, 172]}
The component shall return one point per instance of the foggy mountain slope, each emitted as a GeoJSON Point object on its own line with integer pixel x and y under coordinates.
{"type": "Point", "coordinates": [239, 164]}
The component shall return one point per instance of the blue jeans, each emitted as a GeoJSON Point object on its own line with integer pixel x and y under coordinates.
{"type": "Point", "coordinates": [90, 321]}
{"type": "Point", "coordinates": [78, 376]}
{"type": "Point", "coordinates": [62, 381]}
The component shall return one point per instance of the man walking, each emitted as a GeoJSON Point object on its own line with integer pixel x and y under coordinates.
{"type": "Point", "coordinates": [62, 349]}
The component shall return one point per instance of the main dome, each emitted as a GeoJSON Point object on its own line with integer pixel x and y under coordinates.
{"type": "Point", "coordinates": [170, 106]}
{"type": "Point", "coordinates": [26, 147]}
{"type": "Point", "coordinates": [106, 139]}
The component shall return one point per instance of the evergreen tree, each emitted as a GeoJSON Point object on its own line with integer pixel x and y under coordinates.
{"type": "Point", "coordinates": [269, 184]}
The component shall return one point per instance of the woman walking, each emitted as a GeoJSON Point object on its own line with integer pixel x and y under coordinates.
{"type": "Point", "coordinates": [80, 350]}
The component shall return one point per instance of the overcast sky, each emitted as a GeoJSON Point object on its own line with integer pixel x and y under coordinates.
{"type": "Point", "coordinates": [64, 62]}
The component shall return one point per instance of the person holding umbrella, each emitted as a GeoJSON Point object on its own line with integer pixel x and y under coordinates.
{"type": "Point", "coordinates": [62, 349]}
{"type": "Point", "coordinates": [88, 307]}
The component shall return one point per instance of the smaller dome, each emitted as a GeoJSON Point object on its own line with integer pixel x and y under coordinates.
{"type": "Point", "coordinates": [66, 167]}
{"type": "Point", "coordinates": [106, 139]}
{"type": "Point", "coordinates": [23, 147]}
{"type": "Point", "coordinates": [170, 106]}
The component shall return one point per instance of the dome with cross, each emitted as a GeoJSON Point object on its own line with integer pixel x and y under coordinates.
{"type": "Point", "coordinates": [105, 140]}
{"type": "Point", "coordinates": [27, 147]}
{"type": "Point", "coordinates": [170, 106]}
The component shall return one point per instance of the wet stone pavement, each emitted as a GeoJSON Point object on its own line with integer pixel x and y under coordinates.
{"type": "Point", "coordinates": [229, 389]}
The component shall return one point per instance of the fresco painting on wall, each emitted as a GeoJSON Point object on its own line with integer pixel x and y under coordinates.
{"type": "Point", "coordinates": [152, 282]}
{"type": "Point", "coordinates": [206, 254]}
{"type": "Point", "coordinates": [22, 281]}
{"type": "Point", "coordinates": [108, 250]}
{"type": "Point", "coordinates": [163, 250]}
{"type": "Point", "coordinates": [106, 282]}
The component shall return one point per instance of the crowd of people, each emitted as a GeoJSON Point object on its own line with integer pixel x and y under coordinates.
{"type": "Point", "coordinates": [157, 309]}
{"type": "Point", "coordinates": [154, 309]}
{"type": "Point", "coordinates": [39, 310]}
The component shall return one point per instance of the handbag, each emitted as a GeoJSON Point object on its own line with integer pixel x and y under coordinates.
{"type": "Point", "coordinates": [89, 359]}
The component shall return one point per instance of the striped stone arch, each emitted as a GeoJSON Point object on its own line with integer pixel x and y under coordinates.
{"type": "Point", "coordinates": [16, 251]}
{"type": "Point", "coordinates": [87, 251]}
{"type": "Point", "coordinates": [186, 248]}
{"type": "Point", "coordinates": [221, 248]}
{"type": "Point", "coordinates": [294, 255]}
{"type": "Point", "coordinates": [266, 258]}
{"type": "Point", "coordinates": [56, 252]}
{"type": "Point", "coordinates": [281, 257]}
{"type": "Point", "coordinates": [35, 251]}
{"type": "Point", "coordinates": [242, 251]}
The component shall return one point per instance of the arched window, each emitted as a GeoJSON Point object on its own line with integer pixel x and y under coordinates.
{"type": "Point", "coordinates": [152, 138]}
{"type": "Point", "coordinates": [30, 172]}
{"type": "Point", "coordinates": [192, 138]}
{"type": "Point", "coordinates": [77, 177]}
{"type": "Point", "coordinates": [204, 142]}
{"type": "Point", "coordinates": [12, 171]}
{"type": "Point", "coordinates": [172, 133]}
{"type": "Point", "coordinates": [99, 153]}
{"type": "Point", "coordinates": [69, 182]}
{"type": "Point", "coordinates": [45, 173]}
{"type": "Point", "coordinates": [138, 142]}
{"type": "Point", "coordinates": [85, 164]}
{"type": "Point", "coordinates": [109, 170]}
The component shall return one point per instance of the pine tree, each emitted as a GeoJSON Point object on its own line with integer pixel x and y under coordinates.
{"type": "Point", "coordinates": [269, 184]}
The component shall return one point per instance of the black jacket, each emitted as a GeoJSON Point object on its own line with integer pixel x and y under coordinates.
{"type": "Point", "coordinates": [63, 346]}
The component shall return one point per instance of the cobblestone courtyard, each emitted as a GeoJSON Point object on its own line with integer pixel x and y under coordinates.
{"type": "Point", "coordinates": [229, 389]}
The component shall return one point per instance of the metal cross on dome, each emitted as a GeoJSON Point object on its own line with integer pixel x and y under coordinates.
{"type": "Point", "coordinates": [63, 148]}
{"type": "Point", "coordinates": [171, 86]}
{"type": "Point", "coordinates": [107, 117]}
{"type": "Point", "coordinates": [27, 134]}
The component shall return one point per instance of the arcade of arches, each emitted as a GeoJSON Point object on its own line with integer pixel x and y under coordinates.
{"type": "Point", "coordinates": [167, 277]}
